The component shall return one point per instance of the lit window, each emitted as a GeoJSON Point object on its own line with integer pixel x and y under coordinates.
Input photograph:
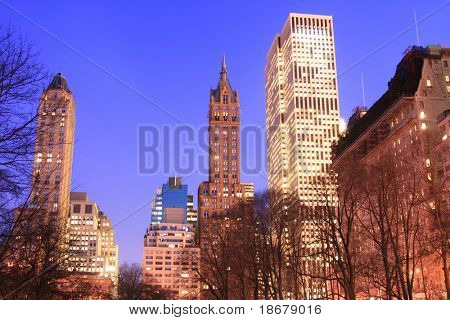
{"type": "Point", "coordinates": [423, 126]}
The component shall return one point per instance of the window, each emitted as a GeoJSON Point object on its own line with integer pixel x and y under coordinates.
{"type": "Point", "coordinates": [428, 82]}
{"type": "Point", "coordinates": [422, 105]}
{"type": "Point", "coordinates": [76, 208]}
{"type": "Point", "coordinates": [446, 63]}
{"type": "Point", "coordinates": [88, 208]}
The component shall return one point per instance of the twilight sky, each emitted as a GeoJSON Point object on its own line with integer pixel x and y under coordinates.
{"type": "Point", "coordinates": [119, 56]}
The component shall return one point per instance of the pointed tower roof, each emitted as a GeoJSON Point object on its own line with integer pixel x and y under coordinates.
{"type": "Point", "coordinates": [223, 79]}
{"type": "Point", "coordinates": [223, 82]}
{"type": "Point", "coordinates": [59, 82]}
{"type": "Point", "coordinates": [224, 65]}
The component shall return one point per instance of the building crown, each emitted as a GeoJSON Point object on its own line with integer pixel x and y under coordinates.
{"type": "Point", "coordinates": [59, 83]}
{"type": "Point", "coordinates": [224, 86]}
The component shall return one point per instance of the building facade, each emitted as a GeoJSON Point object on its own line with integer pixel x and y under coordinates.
{"type": "Point", "coordinates": [302, 108]}
{"type": "Point", "coordinates": [173, 194]}
{"type": "Point", "coordinates": [170, 256]}
{"type": "Point", "coordinates": [441, 153]}
{"type": "Point", "coordinates": [402, 127]}
{"type": "Point", "coordinates": [52, 169]}
{"type": "Point", "coordinates": [442, 157]}
{"type": "Point", "coordinates": [191, 212]}
{"type": "Point", "coordinates": [416, 95]}
{"type": "Point", "coordinates": [223, 188]}
{"type": "Point", "coordinates": [92, 247]}
{"type": "Point", "coordinates": [109, 249]}
{"type": "Point", "coordinates": [302, 123]}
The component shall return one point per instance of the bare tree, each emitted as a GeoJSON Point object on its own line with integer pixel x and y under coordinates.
{"type": "Point", "coordinates": [374, 234]}
{"type": "Point", "coordinates": [21, 76]}
{"type": "Point", "coordinates": [216, 258]}
{"type": "Point", "coordinates": [338, 236]}
{"type": "Point", "coordinates": [437, 237]}
{"type": "Point", "coordinates": [132, 287]}
{"type": "Point", "coordinates": [379, 232]}
{"type": "Point", "coordinates": [281, 248]}
{"type": "Point", "coordinates": [390, 217]}
{"type": "Point", "coordinates": [254, 250]}
{"type": "Point", "coordinates": [37, 265]}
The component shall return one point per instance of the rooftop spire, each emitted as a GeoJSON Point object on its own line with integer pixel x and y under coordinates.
{"type": "Point", "coordinates": [224, 65]}
{"type": "Point", "coordinates": [223, 71]}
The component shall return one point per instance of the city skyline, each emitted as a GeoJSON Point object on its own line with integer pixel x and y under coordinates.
{"type": "Point", "coordinates": [144, 184]}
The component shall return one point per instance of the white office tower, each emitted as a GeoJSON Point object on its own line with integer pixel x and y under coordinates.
{"type": "Point", "coordinates": [302, 114]}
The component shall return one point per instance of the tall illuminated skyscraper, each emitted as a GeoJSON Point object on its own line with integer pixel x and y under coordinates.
{"type": "Point", "coordinates": [224, 188]}
{"type": "Point", "coordinates": [302, 121]}
{"type": "Point", "coordinates": [302, 109]}
{"type": "Point", "coordinates": [52, 170]}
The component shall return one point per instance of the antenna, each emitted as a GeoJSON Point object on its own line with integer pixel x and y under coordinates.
{"type": "Point", "coordinates": [417, 28]}
{"type": "Point", "coordinates": [362, 87]}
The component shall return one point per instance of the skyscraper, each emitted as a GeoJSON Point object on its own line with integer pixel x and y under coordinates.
{"type": "Point", "coordinates": [302, 122]}
{"type": "Point", "coordinates": [85, 236]}
{"type": "Point", "coordinates": [224, 188]}
{"type": "Point", "coordinates": [170, 256]}
{"type": "Point", "coordinates": [302, 109]}
{"type": "Point", "coordinates": [52, 170]}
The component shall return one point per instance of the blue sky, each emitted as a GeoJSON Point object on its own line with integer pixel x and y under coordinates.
{"type": "Point", "coordinates": [170, 52]}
